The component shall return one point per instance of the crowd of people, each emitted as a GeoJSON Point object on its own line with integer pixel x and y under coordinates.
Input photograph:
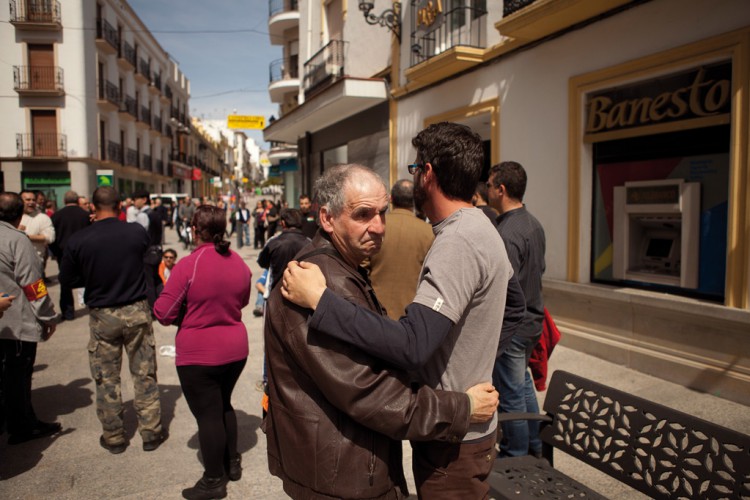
{"type": "Point", "coordinates": [368, 339]}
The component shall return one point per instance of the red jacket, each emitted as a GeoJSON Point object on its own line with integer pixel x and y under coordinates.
{"type": "Point", "coordinates": [543, 350]}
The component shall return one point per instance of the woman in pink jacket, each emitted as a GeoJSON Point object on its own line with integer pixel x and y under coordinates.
{"type": "Point", "coordinates": [211, 344]}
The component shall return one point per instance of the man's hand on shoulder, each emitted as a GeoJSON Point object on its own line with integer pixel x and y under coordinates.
{"type": "Point", "coordinates": [484, 401]}
{"type": "Point", "coordinates": [303, 283]}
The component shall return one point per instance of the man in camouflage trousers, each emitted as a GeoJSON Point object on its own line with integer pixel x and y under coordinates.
{"type": "Point", "coordinates": [107, 258]}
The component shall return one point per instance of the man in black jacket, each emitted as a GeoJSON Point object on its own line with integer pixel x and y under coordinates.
{"type": "Point", "coordinates": [282, 248]}
{"type": "Point", "coordinates": [67, 221]}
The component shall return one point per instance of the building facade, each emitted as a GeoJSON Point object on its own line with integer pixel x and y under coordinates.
{"type": "Point", "coordinates": [98, 101]}
{"type": "Point", "coordinates": [631, 119]}
{"type": "Point", "coordinates": [331, 86]}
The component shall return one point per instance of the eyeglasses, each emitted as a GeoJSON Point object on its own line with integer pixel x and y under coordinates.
{"type": "Point", "coordinates": [414, 167]}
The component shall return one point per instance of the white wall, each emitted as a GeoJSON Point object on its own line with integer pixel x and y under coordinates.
{"type": "Point", "coordinates": [533, 90]}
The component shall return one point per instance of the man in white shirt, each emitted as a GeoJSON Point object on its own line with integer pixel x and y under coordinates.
{"type": "Point", "coordinates": [142, 208]}
{"type": "Point", "coordinates": [36, 224]}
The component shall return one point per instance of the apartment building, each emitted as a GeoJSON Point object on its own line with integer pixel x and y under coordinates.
{"type": "Point", "coordinates": [631, 119]}
{"type": "Point", "coordinates": [92, 92]}
{"type": "Point", "coordinates": [331, 87]}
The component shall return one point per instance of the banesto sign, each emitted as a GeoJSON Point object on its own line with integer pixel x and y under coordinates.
{"type": "Point", "coordinates": [246, 122]}
{"type": "Point", "coordinates": [701, 92]}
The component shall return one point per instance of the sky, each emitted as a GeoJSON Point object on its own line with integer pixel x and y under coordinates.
{"type": "Point", "coordinates": [223, 48]}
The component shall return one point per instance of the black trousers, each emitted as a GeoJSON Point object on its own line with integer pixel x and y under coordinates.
{"type": "Point", "coordinates": [208, 392]}
{"type": "Point", "coordinates": [260, 237]}
{"type": "Point", "coordinates": [16, 366]}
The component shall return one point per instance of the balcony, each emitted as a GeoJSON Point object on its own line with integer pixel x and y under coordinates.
{"type": "Point", "coordinates": [143, 72]}
{"type": "Point", "coordinates": [167, 131]}
{"type": "Point", "coordinates": [156, 124]}
{"type": "Point", "coordinates": [282, 15]}
{"type": "Point", "coordinates": [36, 14]}
{"type": "Point", "coordinates": [159, 167]}
{"type": "Point", "coordinates": [128, 109]}
{"type": "Point", "coordinates": [126, 56]}
{"type": "Point", "coordinates": [144, 117]}
{"type": "Point", "coordinates": [325, 67]}
{"type": "Point", "coordinates": [38, 80]}
{"type": "Point", "coordinates": [41, 145]}
{"type": "Point", "coordinates": [329, 104]}
{"type": "Point", "coordinates": [114, 153]}
{"type": "Point", "coordinates": [530, 20]}
{"type": "Point", "coordinates": [283, 78]}
{"type": "Point", "coordinates": [107, 38]}
{"type": "Point", "coordinates": [131, 158]}
{"type": "Point", "coordinates": [146, 163]}
{"type": "Point", "coordinates": [109, 95]}
{"type": "Point", "coordinates": [155, 86]}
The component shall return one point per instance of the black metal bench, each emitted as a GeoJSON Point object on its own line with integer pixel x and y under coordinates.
{"type": "Point", "coordinates": [659, 451]}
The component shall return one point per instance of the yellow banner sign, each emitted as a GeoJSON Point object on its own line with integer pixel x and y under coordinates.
{"type": "Point", "coordinates": [246, 122]}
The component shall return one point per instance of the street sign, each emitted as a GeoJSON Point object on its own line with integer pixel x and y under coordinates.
{"type": "Point", "coordinates": [246, 122]}
{"type": "Point", "coordinates": [105, 178]}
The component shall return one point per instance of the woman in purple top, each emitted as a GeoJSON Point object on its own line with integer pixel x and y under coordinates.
{"type": "Point", "coordinates": [211, 344]}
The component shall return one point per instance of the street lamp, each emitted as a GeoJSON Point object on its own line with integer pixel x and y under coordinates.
{"type": "Point", "coordinates": [390, 18]}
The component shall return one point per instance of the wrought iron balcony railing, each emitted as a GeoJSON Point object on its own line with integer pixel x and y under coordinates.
{"type": "Point", "coordinates": [511, 6]}
{"type": "Point", "coordinates": [276, 6]}
{"type": "Point", "coordinates": [168, 91]}
{"type": "Point", "coordinates": [145, 115]}
{"type": "Point", "coordinates": [127, 52]}
{"type": "Point", "coordinates": [156, 123]}
{"type": "Point", "coordinates": [325, 66]}
{"type": "Point", "coordinates": [38, 78]}
{"type": "Point", "coordinates": [146, 162]}
{"type": "Point", "coordinates": [144, 68]}
{"type": "Point", "coordinates": [159, 167]}
{"type": "Point", "coordinates": [131, 158]}
{"type": "Point", "coordinates": [156, 81]}
{"type": "Point", "coordinates": [41, 145]}
{"type": "Point", "coordinates": [108, 91]}
{"type": "Point", "coordinates": [106, 32]}
{"type": "Point", "coordinates": [114, 153]}
{"type": "Point", "coordinates": [130, 106]}
{"type": "Point", "coordinates": [463, 26]}
{"type": "Point", "coordinates": [35, 11]}
{"type": "Point", "coordinates": [282, 69]}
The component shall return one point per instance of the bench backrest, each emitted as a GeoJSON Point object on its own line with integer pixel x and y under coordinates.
{"type": "Point", "coordinates": [659, 451]}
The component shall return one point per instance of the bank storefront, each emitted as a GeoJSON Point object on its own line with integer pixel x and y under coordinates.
{"type": "Point", "coordinates": [658, 176]}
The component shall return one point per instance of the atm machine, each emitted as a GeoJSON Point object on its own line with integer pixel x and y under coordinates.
{"type": "Point", "coordinates": [656, 232]}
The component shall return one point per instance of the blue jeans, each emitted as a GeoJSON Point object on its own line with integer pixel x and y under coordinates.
{"type": "Point", "coordinates": [243, 234]}
{"type": "Point", "coordinates": [512, 378]}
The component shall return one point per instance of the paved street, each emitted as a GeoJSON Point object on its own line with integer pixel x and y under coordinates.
{"type": "Point", "coordinates": [73, 465]}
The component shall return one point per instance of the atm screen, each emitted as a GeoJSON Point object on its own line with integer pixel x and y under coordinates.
{"type": "Point", "coordinates": [659, 248]}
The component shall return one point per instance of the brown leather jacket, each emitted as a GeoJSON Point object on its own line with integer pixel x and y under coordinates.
{"type": "Point", "coordinates": [337, 415]}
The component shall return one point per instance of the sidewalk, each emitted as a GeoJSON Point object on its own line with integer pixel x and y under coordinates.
{"type": "Point", "coordinates": [73, 465]}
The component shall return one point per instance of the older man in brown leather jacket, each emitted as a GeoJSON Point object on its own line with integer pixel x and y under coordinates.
{"type": "Point", "coordinates": [337, 415]}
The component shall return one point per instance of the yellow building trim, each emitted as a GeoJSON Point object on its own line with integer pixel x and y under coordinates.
{"type": "Point", "coordinates": [545, 17]}
{"type": "Point", "coordinates": [734, 46]}
{"type": "Point", "coordinates": [393, 111]}
{"type": "Point", "coordinates": [491, 106]}
{"type": "Point", "coordinates": [441, 66]}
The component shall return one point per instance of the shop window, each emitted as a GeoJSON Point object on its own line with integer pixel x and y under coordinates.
{"type": "Point", "coordinates": [646, 236]}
